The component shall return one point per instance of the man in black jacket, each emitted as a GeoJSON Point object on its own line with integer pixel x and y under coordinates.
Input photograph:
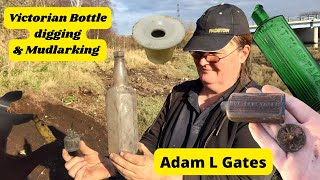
{"type": "Point", "coordinates": [191, 116]}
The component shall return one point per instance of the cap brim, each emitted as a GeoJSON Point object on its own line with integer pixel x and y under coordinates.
{"type": "Point", "coordinates": [208, 43]}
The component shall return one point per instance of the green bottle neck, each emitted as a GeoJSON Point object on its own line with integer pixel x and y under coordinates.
{"type": "Point", "coordinates": [259, 15]}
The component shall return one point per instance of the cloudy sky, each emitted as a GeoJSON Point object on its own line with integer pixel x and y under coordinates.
{"type": "Point", "coordinates": [127, 12]}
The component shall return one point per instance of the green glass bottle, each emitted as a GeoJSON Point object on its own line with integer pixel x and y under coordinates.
{"type": "Point", "coordinates": [288, 56]}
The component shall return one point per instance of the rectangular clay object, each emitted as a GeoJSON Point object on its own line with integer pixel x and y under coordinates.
{"type": "Point", "coordinates": [256, 107]}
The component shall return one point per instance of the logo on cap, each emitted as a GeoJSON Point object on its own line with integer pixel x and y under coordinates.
{"type": "Point", "coordinates": [219, 30]}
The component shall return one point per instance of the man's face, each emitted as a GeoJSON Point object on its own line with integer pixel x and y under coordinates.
{"type": "Point", "coordinates": [220, 66]}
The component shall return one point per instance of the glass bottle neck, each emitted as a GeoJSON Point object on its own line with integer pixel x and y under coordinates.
{"type": "Point", "coordinates": [70, 132]}
{"type": "Point", "coordinates": [120, 76]}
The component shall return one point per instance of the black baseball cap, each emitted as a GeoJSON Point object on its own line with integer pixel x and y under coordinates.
{"type": "Point", "coordinates": [216, 27]}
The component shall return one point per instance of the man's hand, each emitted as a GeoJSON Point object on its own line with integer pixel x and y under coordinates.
{"type": "Point", "coordinates": [305, 163]}
{"type": "Point", "coordinates": [133, 166]}
{"type": "Point", "coordinates": [91, 166]}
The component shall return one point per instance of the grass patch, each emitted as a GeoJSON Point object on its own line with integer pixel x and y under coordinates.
{"type": "Point", "coordinates": [54, 78]}
{"type": "Point", "coordinates": [263, 75]}
{"type": "Point", "coordinates": [69, 99]}
{"type": "Point", "coordinates": [148, 109]}
{"type": "Point", "coordinates": [181, 65]}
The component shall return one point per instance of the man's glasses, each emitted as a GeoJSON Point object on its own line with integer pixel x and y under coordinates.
{"type": "Point", "coordinates": [209, 56]}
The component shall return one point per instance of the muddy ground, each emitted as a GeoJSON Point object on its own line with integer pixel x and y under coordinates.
{"type": "Point", "coordinates": [27, 146]}
{"type": "Point", "coordinates": [59, 118]}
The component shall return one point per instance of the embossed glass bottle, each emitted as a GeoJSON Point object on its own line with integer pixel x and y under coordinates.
{"type": "Point", "coordinates": [121, 108]}
{"type": "Point", "coordinates": [288, 56]}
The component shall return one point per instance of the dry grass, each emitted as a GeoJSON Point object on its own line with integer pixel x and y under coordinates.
{"type": "Point", "coordinates": [263, 75]}
{"type": "Point", "coordinates": [49, 77]}
{"type": "Point", "coordinates": [181, 66]}
{"type": "Point", "coordinates": [315, 53]}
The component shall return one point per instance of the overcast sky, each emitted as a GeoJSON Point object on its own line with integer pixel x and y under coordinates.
{"type": "Point", "coordinates": [127, 12]}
